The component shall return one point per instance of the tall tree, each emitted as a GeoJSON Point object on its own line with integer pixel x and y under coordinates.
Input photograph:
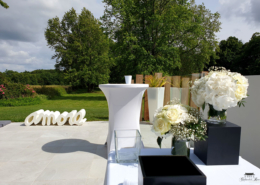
{"type": "Point", "coordinates": [81, 48]}
{"type": "Point", "coordinates": [170, 36]}
{"type": "Point", "coordinates": [249, 63]}
{"type": "Point", "coordinates": [228, 53]}
{"type": "Point", "coordinates": [3, 4]}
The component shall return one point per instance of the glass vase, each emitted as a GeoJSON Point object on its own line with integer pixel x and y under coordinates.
{"type": "Point", "coordinates": [180, 147]}
{"type": "Point", "coordinates": [216, 117]}
{"type": "Point", "coordinates": [128, 145]}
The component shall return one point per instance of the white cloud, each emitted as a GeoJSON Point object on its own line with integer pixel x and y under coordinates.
{"type": "Point", "coordinates": [239, 18]}
{"type": "Point", "coordinates": [22, 26]}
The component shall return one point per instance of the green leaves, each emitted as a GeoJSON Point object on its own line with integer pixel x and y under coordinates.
{"type": "Point", "coordinates": [242, 102]}
{"type": "Point", "coordinates": [212, 112]}
{"type": "Point", "coordinates": [81, 48]}
{"type": "Point", "coordinates": [159, 141]}
{"type": "Point", "coordinates": [174, 37]}
{"type": "Point", "coordinates": [203, 106]}
{"type": "Point", "coordinates": [3, 4]}
{"type": "Point", "coordinates": [236, 56]}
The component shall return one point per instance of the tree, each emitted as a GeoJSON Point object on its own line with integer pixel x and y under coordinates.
{"type": "Point", "coordinates": [239, 57]}
{"type": "Point", "coordinates": [170, 36]}
{"type": "Point", "coordinates": [81, 48]}
{"type": "Point", "coordinates": [228, 53]}
{"type": "Point", "coordinates": [249, 63]}
{"type": "Point", "coordinates": [3, 4]}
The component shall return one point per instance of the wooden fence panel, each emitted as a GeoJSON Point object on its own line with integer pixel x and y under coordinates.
{"type": "Point", "coordinates": [167, 86]}
{"type": "Point", "coordinates": [185, 92]}
{"type": "Point", "coordinates": [204, 73]}
{"type": "Point", "coordinates": [176, 81]}
{"type": "Point", "coordinates": [139, 79]}
{"type": "Point", "coordinates": [158, 75]}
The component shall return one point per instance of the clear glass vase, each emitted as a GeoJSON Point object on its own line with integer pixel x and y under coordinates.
{"type": "Point", "coordinates": [180, 147]}
{"type": "Point", "coordinates": [216, 117]}
{"type": "Point", "coordinates": [128, 145]}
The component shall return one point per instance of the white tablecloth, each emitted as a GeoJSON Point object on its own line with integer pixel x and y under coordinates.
{"type": "Point", "coordinates": [124, 102]}
{"type": "Point", "coordinates": [216, 175]}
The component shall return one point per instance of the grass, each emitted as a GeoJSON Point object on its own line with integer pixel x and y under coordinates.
{"type": "Point", "coordinates": [95, 105]}
{"type": "Point", "coordinates": [23, 101]}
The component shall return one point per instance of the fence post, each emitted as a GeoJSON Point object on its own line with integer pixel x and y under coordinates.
{"type": "Point", "coordinates": [176, 81]}
{"type": "Point", "coordinates": [140, 80]}
{"type": "Point", "coordinates": [167, 86]}
{"type": "Point", "coordinates": [193, 78]}
{"type": "Point", "coordinates": [185, 91]}
{"type": "Point", "coordinates": [133, 81]}
{"type": "Point", "coordinates": [158, 75]}
{"type": "Point", "coordinates": [204, 73]}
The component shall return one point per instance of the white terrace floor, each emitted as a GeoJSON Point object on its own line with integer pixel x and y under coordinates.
{"type": "Point", "coordinates": [53, 155]}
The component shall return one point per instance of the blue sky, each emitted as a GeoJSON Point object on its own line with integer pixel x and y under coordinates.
{"type": "Point", "coordinates": [23, 46]}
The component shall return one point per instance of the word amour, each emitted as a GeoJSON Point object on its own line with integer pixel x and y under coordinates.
{"type": "Point", "coordinates": [51, 118]}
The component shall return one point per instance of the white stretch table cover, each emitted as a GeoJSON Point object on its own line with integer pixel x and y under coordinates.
{"type": "Point", "coordinates": [124, 102]}
{"type": "Point", "coordinates": [216, 175]}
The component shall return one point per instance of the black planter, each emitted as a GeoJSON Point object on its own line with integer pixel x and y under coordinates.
{"type": "Point", "coordinates": [169, 170]}
{"type": "Point", "coordinates": [222, 145]}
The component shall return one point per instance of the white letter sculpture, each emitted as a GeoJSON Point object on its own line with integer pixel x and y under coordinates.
{"type": "Point", "coordinates": [49, 117]}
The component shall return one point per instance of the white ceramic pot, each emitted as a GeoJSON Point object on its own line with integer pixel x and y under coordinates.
{"type": "Point", "coordinates": [155, 100]}
{"type": "Point", "coordinates": [128, 79]}
{"type": "Point", "coordinates": [175, 93]}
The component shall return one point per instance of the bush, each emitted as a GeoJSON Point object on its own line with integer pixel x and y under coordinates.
{"type": "Point", "coordinates": [22, 101]}
{"type": "Point", "coordinates": [11, 90]}
{"type": "Point", "coordinates": [36, 77]}
{"type": "Point", "coordinates": [51, 91]}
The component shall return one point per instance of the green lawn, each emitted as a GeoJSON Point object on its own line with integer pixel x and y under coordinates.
{"type": "Point", "coordinates": [95, 105]}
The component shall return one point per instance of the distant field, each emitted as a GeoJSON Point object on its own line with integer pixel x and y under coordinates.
{"type": "Point", "coordinates": [95, 105]}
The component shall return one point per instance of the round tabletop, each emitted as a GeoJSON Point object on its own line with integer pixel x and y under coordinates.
{"type": "Point", "coordinates": [124, 85]}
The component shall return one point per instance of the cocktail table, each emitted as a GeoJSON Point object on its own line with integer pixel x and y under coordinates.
{"type": "Point", "coordinates": [124, 103]}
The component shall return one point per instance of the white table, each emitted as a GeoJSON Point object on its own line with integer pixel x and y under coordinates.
{"type": "Point", "coordinates": [124, 102]}
{"type": "Point", "coordinates": [216, 175]}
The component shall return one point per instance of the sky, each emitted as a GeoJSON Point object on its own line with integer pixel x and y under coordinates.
{"type": "Point", "coordinates": [23, 45]}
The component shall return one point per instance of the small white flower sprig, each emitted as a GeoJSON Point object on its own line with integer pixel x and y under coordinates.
{"type": "Point", "coordinates": [180, 121]}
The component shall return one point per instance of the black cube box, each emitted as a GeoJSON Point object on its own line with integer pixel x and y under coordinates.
{"type": "Point", "coordinates": [222, 145]}
{"type": "Point", "coordinates": [169, 170]}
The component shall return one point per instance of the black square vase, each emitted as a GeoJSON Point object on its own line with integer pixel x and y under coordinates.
{"type": "Point", "coordinates": [222, 145]}
{"type": "Point", "coordinates": [169, 170]}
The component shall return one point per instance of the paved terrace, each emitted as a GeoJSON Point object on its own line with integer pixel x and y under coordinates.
{"type": "Point", "coordinates": [55, 155]}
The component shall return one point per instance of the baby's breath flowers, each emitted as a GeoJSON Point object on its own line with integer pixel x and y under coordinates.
{"type": "Point", "coordinates": [180, 121]}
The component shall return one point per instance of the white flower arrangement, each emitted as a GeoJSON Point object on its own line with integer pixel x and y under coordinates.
{"type": "Point", "coordinates": [220, 88]}
{"type": "Point", "coordinates": [179, 121]}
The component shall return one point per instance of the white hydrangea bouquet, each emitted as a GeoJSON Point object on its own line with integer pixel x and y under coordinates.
{"type": "Point", "coordinates": [220, 89]}
{"type": "Point", "coordinates": [180, 121]}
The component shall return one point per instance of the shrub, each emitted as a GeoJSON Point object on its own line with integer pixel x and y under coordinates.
{"type": "Point", "coordinates": [15, 90]}
{"type": "Point", "coordinates": [51, 91]}
{"type": "Point", "coordinates": [22, 101]}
